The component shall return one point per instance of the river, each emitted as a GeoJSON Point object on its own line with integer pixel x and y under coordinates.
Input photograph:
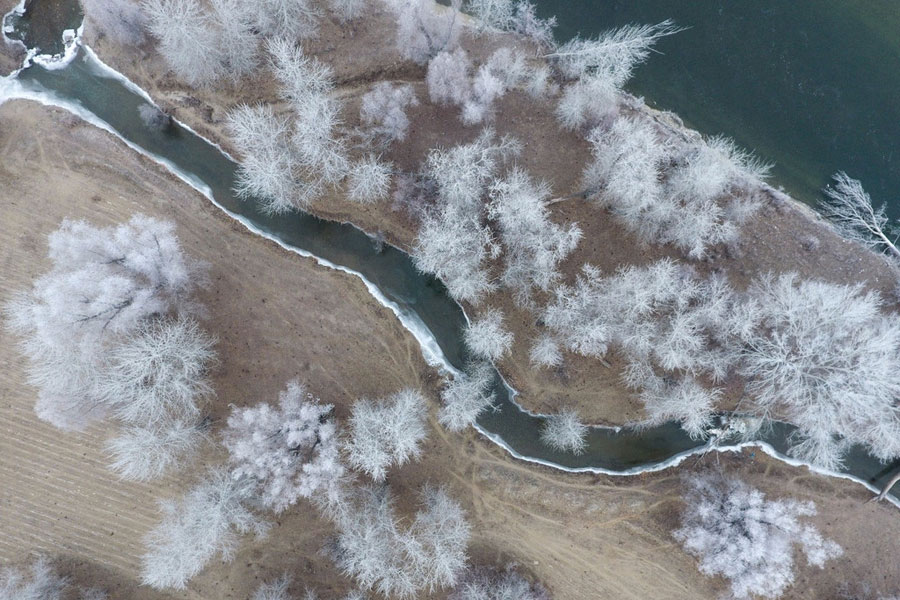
{"type": "Point", "coordinates": [95, 92]}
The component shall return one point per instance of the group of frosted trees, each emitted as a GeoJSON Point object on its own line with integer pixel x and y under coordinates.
{"type": "Point", "coordinates": [110, 331]}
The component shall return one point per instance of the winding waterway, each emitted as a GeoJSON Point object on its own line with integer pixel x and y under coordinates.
{"type": "Point", "coordinates": [92, 90]}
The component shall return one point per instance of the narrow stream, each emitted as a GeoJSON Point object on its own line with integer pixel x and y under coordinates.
{"type": "Point", "coordinates": [90, 89]}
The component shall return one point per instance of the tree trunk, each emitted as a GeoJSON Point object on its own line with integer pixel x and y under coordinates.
{"type": "Point", "coordinates": [887, 488]}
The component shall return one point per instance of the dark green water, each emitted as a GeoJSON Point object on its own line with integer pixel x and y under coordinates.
{"type": "Point", "coordinates": [812, 85]}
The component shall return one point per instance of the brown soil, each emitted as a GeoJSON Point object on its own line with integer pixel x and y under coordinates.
{"type": "Point", "coordinates": [784, 236]}
{"type": "Point", "coordinates": [11, 54]}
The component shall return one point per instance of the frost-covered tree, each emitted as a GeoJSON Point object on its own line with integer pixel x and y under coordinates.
{"type": "Point", "coordinates": [485, 89]}
{"type": "Point", "coordinates": [287, 162]}
{"type": "Point", "coordinates": [693, 205]}
{"type": "Point", "coordinates": [123, 21]}
{"type": "Point", "coordinates": [666, 322]}
{"type": "Point", "coordinates": [482, 583]}
{"type": "Point", "coordinates": [347, 10]}
{"type": "Point", "coordinates": [273, 590]}
{"type": "Point", "coordinates": [613, 54]}
{"type": "Point", "coordinates": [369, 180]}
{"type": "Point", "coordinates": [849, 208]}
{"type": "Point", "coordinates": [545, 352]}
{"type": "Point", "coordinates": [827, 359]}
{"type": "Point", "coordinates": [466, 396]}
{"type": "Point", "coordinates": [518, 16]}
{"type": "Point", "coordinates": [425, 29]}
{"type": "Point", "coordinates": [447, 77]}
{"type": "Point", "coordinates": [453, 241]}
{"type": "Point", "coordinates": [206, 521]}
{"type": "Point", "coordinates": [289, 452]}
{"type": "Point", "coordinates": [589, 102]}
{"type": "Point", "coordinates": [105, 284]}
{"type": "Point", "coordinates": [383, 111]}
{"type": "Point", "coordinates": [738, 534]}
{"type": "Point", "coordinates": [187, 39]}
{"type": "Point", "coordinates": [486, 336]}
{"type": "Point", "coordinates": [266, 169]}
{"type": "Point", "coordinates": [289, 19]}
{"type": "Point", "coordinates": [158, 373]}
{"type": "Point", "coordinates": [374, 548]}
{"type": "Point", "coordinates": [149, 451]}
{"type": "Point", "coordinates": [564, 432]}
{"type": "Point", "coordinates": [386, 432]}
{"type": "Point", "coordinates": [534, 244]}
{"type": "Point", "coordinates": [40, 583]}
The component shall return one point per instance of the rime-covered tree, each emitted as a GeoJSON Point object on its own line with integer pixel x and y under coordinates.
{"type": "Point", "coordinates": [105, 284]}
{"type": "Point", "coordinates": [826, 358]}
{"type": "Point", "coordinates": [518, 16]}
{"type": "Point", "coordinates": [149, 451]}
{"type": "Point", "coordinates": [386, 432]}
{"type": "Point", "coordinates": [158, 373]}
{"type": "Point", "coordinates": [482, 583]}
{"type": "Point", "coordinates": [289, 452]}
{"type": "Point", "coordinates": [289, 19]}
{"type": "Point", "coordinates": [738, 534]}
{"type": "Point", "coordinates": [347, 10]}
{"type": "Point", "coordinates": [383, 111]}
{"type": "Point", "coordinates": [289, 162]}
{"type": "Point", "coordinates": [123, 21]}
{"type": "Point", "coordinates": [667, 323]}
{"type": "Point", "coordinates": [40, 583]}
{"type": "Point", "coordinates": [187, 39]}
{"type": "Point", "coordinates": [425, 29]}
{"type": "Point", "coordinates": [694, 205]}
{"type": "Point", "coordinates": [375, 549]}
{"type": "Point", "coordinates": [369, 180]}
{"type": "Point", "coordinates": [613, 54]}
{"type": "Point", "coordinates": [447, 78]}
{"type": "Point", "coordinates": [534, 245]}
{"type": "Point", "coordinates": [486, 336]}
{"type": "Point", "coordinates": [564, 432]}
{"type": "Point", "coordinates": [466, 396]}
{"type": "Point", "coordinates": [454, 241]}
{"type": "Point", "coordinates": [849, 208]}
{"type": "Point", "coordinates": [206, 521]}
{"type": "Point", "coordinates": [273, 590]}
{"type": "Point", "coordinates": [545, 352]}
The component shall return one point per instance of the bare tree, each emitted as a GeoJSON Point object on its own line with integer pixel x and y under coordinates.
{"type": "Point", "coordinates": [737, 533]}
{"type": "Point", "coordinates": [849, 208]}
{"type": "Point", "coordinates": [828, 360]}
{"type": "Point", "coordinates": [386, 432]}
{"type": "Point", "coordinates": [466, 396]}
{"type": "Point", "coordinates": [486, 337]}
{"type": "Point", "coordinates": [204, 522]}
{"type": "Point", "coordinates": [288, 452]}
{"type": "Point", "coordinates": [563, 431]}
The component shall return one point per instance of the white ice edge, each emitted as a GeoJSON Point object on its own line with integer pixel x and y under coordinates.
{"type": "Point", "coordinates": [11, 88]}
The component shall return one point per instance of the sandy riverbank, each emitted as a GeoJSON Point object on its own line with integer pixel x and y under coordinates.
{"type": "Point", "coordinates": [278, 316]}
